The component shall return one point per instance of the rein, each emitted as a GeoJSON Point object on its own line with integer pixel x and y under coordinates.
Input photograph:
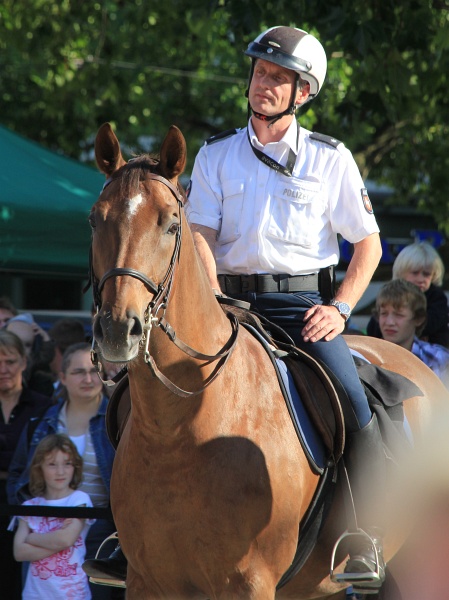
{"type": "Point", "coordinates": [158, 304]}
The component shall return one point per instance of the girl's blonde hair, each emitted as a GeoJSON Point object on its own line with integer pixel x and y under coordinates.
{"type": "Point", "coordinates": [420, 255]}
{"type": "Point", "coordinates": [50, 443]}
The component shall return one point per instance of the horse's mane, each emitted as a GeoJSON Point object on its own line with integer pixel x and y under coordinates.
{"type": "Point", "coordinates": [133, 172]}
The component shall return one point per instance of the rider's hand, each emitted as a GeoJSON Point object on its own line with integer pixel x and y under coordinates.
{"type": "Point", "coordinates": [322, 322]}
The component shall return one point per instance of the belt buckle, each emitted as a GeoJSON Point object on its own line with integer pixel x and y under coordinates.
{"type": "Point", "coordinates": [248, 283]}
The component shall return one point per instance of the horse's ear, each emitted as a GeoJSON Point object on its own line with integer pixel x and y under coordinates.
{"type": "Point", "coordinates": [173, 155]}
{"type": "Point", "coordinates": [107, 150]}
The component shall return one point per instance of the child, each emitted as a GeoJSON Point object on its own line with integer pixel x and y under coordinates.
{"type": "Point", "coordinates": [54, 546]}
{"type": "Point", "coordinates": [401, 311]}
{"type": "Point", "coordinates": [421, 265]}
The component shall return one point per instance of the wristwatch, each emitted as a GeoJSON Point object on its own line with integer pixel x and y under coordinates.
{"type": "Point", "coordinates": [343, 308]}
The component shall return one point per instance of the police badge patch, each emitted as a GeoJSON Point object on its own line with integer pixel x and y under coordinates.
{"type": "Point", "coordinates": [366, 201]}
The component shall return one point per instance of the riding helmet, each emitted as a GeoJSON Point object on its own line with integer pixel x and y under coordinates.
{"type": "Point", "coordinates": [292, 49]}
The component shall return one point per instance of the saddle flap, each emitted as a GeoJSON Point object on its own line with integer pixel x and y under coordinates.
{"type": "Point", "coordinates": [321, 399]}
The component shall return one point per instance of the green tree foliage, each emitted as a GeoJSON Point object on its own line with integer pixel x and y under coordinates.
{"type": "Point", "coordinates": [68, 66]}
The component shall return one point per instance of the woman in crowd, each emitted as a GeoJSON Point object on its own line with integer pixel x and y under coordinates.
{"type": "Point", "coordinates": [18, 405]}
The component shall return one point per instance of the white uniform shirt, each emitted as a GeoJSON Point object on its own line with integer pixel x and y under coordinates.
{"type": "Point", "coordinates": [268, 222]}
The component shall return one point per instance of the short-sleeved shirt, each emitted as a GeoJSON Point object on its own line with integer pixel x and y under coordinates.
{"type": "Point", "coordinates": [60, 575]}
{"type": "Point", "coordinates": [268, 222]}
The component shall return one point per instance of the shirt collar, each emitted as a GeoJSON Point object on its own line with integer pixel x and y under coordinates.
{"type": "Point", "coordinates": [290, 136]}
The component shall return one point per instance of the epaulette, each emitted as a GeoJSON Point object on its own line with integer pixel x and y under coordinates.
{"type": "Point", "coordinates": [326, 139]}
{"type": "Point", "coordinates": [221, 136]}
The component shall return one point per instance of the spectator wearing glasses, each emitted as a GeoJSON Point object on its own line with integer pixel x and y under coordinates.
{"type": "Point", "coordinates": [80, 414]}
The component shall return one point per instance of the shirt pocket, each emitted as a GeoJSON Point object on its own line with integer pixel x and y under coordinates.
{"type": "Point", "coordinates": [297, 209]}
{"type": "Point", "coordinates": [233, 194]}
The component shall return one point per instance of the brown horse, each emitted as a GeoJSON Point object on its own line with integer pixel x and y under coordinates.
{"type": "Point", "coordinates": [210, 483]}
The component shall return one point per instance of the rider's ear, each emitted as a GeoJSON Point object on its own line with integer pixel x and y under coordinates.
{"type": "Point", "coordinates": [173, 155]}
{"type": "Point", "coordinates": [302, 93]}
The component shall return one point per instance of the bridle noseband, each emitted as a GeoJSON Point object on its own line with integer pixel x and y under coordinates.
{"type": "Point", "coordinates": [156, 309]}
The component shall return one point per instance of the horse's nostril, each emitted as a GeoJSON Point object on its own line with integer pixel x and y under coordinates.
{"type": "Point", "coordinates": [97, 329]}
{"type": "Point", "coordinates": [135, 328]}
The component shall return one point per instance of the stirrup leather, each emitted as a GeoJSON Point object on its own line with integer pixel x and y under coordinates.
{"type": "Point", "coordinates": [371, 579]}
{"type": "Point", "coordinates": [107, 581]}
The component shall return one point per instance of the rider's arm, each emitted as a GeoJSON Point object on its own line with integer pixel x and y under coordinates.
{"type": "Point", "coordinates": [205, 239]}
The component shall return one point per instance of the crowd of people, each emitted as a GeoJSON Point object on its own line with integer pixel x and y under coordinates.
{"type": "Point", "coordinates": [54, 451]}
{"type": "Point", "coordinates": [265, 205]}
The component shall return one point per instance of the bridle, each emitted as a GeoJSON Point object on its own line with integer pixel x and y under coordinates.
{"type": "Point", "coordinates": [155, 312]}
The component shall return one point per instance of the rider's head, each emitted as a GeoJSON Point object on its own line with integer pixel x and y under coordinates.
{"type": "Point", "coordinates": [297, 51]}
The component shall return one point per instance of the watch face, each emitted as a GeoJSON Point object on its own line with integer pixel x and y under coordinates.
{"type": "Point", "coordinates": [344, 308]}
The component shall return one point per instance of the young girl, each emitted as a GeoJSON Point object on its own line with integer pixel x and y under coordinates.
{"type": "Point", "coordinates": [54, 546]}
{"type": "Point", "coordinates": [420, 264]}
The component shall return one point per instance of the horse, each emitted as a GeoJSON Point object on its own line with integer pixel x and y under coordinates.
{"type": "Point", "coordinates": [209, 485]}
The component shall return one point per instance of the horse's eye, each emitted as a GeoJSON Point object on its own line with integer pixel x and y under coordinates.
{"type": "Point", "coordinates": [173, 229]}
{"type": "Point", "coordinates": [92, 220]}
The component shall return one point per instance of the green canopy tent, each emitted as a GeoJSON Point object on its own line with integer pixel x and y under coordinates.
{"type": "Point", "coordinates": [45, 200]}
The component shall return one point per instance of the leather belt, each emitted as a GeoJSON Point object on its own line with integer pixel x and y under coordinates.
{"type": "Point", "coordinates": [240, 284]}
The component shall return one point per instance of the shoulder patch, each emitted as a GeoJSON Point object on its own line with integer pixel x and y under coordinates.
{"type": "Point", "coordinates": [221, 136]}
{"type": "Point", "coordinates": [326, 139]}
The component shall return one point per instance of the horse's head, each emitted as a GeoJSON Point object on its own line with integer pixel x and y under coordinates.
{"type": "Point", "coordinates": [136, 235]}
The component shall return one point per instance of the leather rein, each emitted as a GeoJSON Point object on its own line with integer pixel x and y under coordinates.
{"type": "Point", "coordinates": [155, 312]}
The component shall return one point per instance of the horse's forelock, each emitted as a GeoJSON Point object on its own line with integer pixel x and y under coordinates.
{"type": "Point", "coordinates": [131, 174]}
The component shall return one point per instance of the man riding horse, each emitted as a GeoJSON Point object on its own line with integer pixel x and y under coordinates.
{"type": "Point", "coordinates": [266, 204]}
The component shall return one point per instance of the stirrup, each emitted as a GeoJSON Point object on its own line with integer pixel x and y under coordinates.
{"type": "Point", "coordinates": [371, 579]}
{"type": "Point", "coordinates": [119, 583]}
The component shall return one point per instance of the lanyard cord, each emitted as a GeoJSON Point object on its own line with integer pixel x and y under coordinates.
{"type": "Point", "coordinates": [273, 164]}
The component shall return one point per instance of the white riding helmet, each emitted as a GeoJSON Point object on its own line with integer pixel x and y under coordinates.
{"type": "Point", "coordinates": [292, 49]}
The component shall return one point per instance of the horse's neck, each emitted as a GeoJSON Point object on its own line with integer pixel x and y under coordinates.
{"type": "Point", "coordinates": [195, 318]}
{"type": "Point", "coordinates": [197, 309]}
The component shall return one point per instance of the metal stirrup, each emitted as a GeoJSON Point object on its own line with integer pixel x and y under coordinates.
{"type": "Point", "coordinates": [368, 577]}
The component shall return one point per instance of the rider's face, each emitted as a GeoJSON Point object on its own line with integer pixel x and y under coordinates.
{"type": "Point", "coordinates": [271, 88]}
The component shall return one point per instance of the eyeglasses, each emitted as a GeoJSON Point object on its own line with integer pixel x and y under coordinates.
{"type": "Point", "coordinates": [84, 373]}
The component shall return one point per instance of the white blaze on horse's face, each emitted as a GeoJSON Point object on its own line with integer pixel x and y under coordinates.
{"type": "Point", "coordinates": [134, 203]}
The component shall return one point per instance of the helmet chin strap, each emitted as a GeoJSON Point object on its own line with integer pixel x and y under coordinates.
{"type": "Point", "coordinates": [272, 120]}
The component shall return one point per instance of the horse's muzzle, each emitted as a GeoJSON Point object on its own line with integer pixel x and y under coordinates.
{"type": "Point", "coordinates": [118, 339]}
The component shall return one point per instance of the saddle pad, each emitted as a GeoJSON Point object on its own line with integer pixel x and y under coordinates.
{"type": "Point", "coordinates": [309, 437]}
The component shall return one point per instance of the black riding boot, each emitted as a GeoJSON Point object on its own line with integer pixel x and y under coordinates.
{"type": "Point", "coordinates": [365, 462]}
{"type": "Point", "coordinates": [108, 571]}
